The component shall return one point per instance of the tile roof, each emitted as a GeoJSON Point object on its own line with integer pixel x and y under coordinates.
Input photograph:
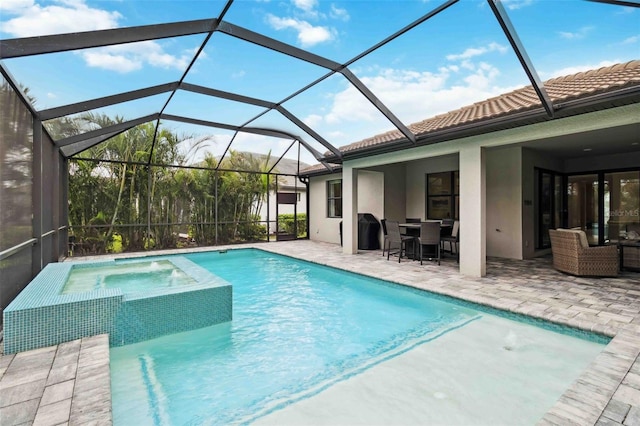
{"type": "Point", "coordinates": [317, 168]}
{"type": "Point", "coordinates": [560, 89]}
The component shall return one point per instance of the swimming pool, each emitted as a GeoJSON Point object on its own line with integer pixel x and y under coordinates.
{"type": "Point", "coordinates": [130, 277]}
{"type": "Point", "coordinates": [310, 344]}
{"type": "Point", "coordinates": [131, 300]}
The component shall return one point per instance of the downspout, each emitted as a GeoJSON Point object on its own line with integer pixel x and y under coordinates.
{"type": "Point", "coordinates": [305, 181]}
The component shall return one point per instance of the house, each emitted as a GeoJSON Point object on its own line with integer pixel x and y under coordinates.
{"type": "Point", "coordinates": [290, 196]}
{"type": "Point", "coordinates": [507, 168]}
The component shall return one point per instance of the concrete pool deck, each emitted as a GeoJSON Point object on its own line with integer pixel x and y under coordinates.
{"type": "Point", "coordinates": [67, 383]}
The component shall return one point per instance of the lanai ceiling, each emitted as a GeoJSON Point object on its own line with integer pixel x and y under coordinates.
{"type": "Point", "coordinates": [297, 78]}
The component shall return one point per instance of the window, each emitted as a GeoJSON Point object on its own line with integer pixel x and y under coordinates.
{"type": "Point", "coordinates": [549, 205]}
{"type": "Point", "coordinates": [443, 195]}
{"type": "Point", "coordinates": [604, 204]}
{"type": "Point", "coordinates": [334, 198]}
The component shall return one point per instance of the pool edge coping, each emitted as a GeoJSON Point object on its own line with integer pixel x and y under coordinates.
{"type": "Point", "coordinates": [606, 373]}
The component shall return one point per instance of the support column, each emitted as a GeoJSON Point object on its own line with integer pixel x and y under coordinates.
{"type": "Point", "coordinates": [38, 210]}
{"type": "Point", "coordinates": [473, 233]}
{"type": "Point", "coordinates": [349, 210]}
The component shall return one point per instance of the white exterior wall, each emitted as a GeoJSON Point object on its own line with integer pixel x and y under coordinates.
{"type": "Point", "coordinates": [504, 202]}
{"type": "Point", "coordinates": [477, 239]}
{"type": "Point", "coordinates": [321, 227]}
{"type": "Point", "coordinates": [417, 181]}
{"type": "Point", "coordinates": [394, 176]}
{"type": "Point", "coordinates": [603, 162]}
{"type": "Point", "coordinates": [370, 200]}
{"type": "Point", "coordinates": [371, 196]}
{"type": "Point", "coordinates": [530, 161]}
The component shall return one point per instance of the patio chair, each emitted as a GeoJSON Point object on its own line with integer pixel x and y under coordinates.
{"type": "Point", "coordinates": [572, 254]}
{"type": "Point", "coordinates": [429, 237]}
{"type": "Point", "coordinates": [397, 240]}
{"type": "Point", "coordinates": [385, 235]}
{"type": "Point", "coordinates": [452, 239]}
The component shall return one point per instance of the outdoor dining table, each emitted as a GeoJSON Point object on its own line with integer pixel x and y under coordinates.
{"type": "Point", "coordinates": [412, 227]}
{"type": "Point", "coordinates": [413, 230]}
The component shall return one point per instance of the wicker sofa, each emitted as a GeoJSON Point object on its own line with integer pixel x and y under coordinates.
{"type": "Point", "coordinates": [572, 254]}
{"type": "Point", "coordinates": [631, 256]}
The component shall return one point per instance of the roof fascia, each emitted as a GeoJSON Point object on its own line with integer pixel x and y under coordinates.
{"type": "Point", "coordinates": [70, 109]}
{"type": "Point", "coordinates": [28, 46]}
{"type": "Point", "coordinates": [570, 108]}
{"type": "Point", "coordinates": [510, 31]}
{"type": "Point", "coordinates": [116, 128]}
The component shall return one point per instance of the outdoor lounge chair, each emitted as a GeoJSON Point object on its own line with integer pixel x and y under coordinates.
{"type": "Point", "coordinates": [397, 240]}
{"type": "Point", "coordinates": [572, 254]}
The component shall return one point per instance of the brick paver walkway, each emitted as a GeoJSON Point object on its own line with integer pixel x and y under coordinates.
{"type": "Point", "coordinates": [70, 382]}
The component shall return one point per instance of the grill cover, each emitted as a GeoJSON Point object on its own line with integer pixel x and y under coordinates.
{"type": "Point", "coordinates": [368, 230]}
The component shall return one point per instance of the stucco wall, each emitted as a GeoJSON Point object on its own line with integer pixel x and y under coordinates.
{"type": "Point", "coordinates": [370, 200]}
{"type": "Point", "coordinates": [394, 191]}
{"type": "Point", "coordinates": [603, 162]}
{"type": "Point", "coordinates": [371, 193]}
{"type": "Point", "coordinates": [504, 206]}
{"type": "Point", "coordinates": [416, 181]}
{"type": "Point", "coordinates": [321, 227]}
{"type": "Point", "coordinates": [530, 161]}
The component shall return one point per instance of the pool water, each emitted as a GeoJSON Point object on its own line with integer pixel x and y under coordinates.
{"type": "Point", "coordinates": [128, 276]}
{"type": "Point", "coordinates": [310, 344]}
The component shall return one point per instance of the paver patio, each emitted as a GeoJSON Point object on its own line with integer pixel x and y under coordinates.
{"type": "Point", "coordinates": [69, 383]}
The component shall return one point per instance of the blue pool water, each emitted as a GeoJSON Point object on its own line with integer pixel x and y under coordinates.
{"type": "Point", "coordinates": [297, 329]}
{"type": "Point", "coordinates": [129, 277]}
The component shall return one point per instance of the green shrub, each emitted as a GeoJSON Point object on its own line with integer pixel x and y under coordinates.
{"type": "Point", "coordinates": [286, 224]}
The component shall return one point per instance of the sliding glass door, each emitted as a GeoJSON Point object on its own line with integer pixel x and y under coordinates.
{"type": "Point", "coordinates": [606, 205]}
{"type": "Point", "coordinates": [550, 206]}
{"type": "Point", "coordinates": [621, 203]}
{"type": "Point", "coordinates": [582, 205]}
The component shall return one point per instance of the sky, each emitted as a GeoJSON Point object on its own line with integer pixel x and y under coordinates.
{"type": "Point", "coordinates": [456, 58]}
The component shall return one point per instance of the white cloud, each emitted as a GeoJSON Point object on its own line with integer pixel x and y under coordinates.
{"type": "Point", "coordinates": [306, 5]}
{"type": "Point", "coordinates": [411, 95]}
{"type": "Point", "coordinates": [576, 69]}
{"type": "Point", "coordinates": [631, 40]}
{"type": "Point", "coordinates": [517, 4]}
{"type": "Point", "coordinates": [308, 35]}
{"type": "Point", "coordinates": [339, 13]}
{"type": "Point", "coordinates": [130, 57]}
{"type": "Point", "coordinates": [63, 17]}
{"type": "Point", "coordinates": [312, 120]}
{"type": "Point", "coordinates": [238, 74]}
{"type": "Point", "coordinates": [15, 6]}
{"type": "Point", "coordinates": [477, 51]}
{"type": "Point", "coordinates": [580, 34]}
{"type": "Point", "coordinates": [106, 60]}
